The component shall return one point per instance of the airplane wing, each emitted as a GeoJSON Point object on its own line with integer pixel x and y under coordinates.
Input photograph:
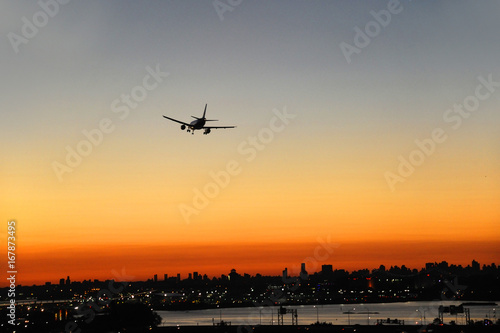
{"type": "Point", "coordinates": [177, 121]}
{"type": "Point", "coordinates": [216, 127]}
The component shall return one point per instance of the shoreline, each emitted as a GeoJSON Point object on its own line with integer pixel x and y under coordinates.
{"type": "Point", "coordinates": [330, 328]}
{"type": "Point", "coordinates": [251, 305]}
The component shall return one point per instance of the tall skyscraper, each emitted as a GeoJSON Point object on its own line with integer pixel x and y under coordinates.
{"type": "Point", "coordinates": [303, 272]}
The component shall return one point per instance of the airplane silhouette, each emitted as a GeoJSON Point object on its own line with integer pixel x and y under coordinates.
{"type": "Point", "coordinates": [198, 124]}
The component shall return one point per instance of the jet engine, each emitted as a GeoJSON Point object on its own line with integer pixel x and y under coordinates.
{"type": "Point", "coordinates": [183, 127]}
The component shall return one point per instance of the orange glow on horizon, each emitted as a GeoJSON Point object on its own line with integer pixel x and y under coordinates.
{"type": "Point", "coordinates": [142, 262]}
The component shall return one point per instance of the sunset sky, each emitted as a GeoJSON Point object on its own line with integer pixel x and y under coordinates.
{"type": "Point", "coordinates": [390, 154]}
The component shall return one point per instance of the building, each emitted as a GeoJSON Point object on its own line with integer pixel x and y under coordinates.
{"type": "Point", "coordinates": [326, 269]}
{"type": "Point", "coordinates": [476, 267]}
{"type": "Point", "coordinates": [303, 273]}
{"type": "Point", "coordinates": [233, 276]}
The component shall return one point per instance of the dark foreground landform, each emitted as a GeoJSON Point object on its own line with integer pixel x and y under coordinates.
{"type": "Point", "coordinates": [331, 328]}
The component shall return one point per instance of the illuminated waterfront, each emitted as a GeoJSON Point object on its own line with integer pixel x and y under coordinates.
{"type": "Point", "coordinates": [413, 313]}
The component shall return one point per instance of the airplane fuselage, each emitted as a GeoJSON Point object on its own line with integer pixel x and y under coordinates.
{"type": "Point", "coordinates": [197, 124]}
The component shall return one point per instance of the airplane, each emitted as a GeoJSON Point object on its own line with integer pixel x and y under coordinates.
{"type": "Point", "coordinates": [198, 124]}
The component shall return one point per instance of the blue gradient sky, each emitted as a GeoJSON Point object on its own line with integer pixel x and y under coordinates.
{"type": "Point", "coordinates": [324, 174]}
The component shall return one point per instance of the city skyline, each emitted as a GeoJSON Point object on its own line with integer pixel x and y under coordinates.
{"type": "Point", "coordinates": [312, 266]}
{"type": "Point", "coordinates": [369, 126]}
{"type": "Point", "coordinates": [303, 274]}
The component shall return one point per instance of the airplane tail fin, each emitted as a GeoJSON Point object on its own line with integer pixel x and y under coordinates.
{"type": "Point", "coordinates": [204, 112]}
